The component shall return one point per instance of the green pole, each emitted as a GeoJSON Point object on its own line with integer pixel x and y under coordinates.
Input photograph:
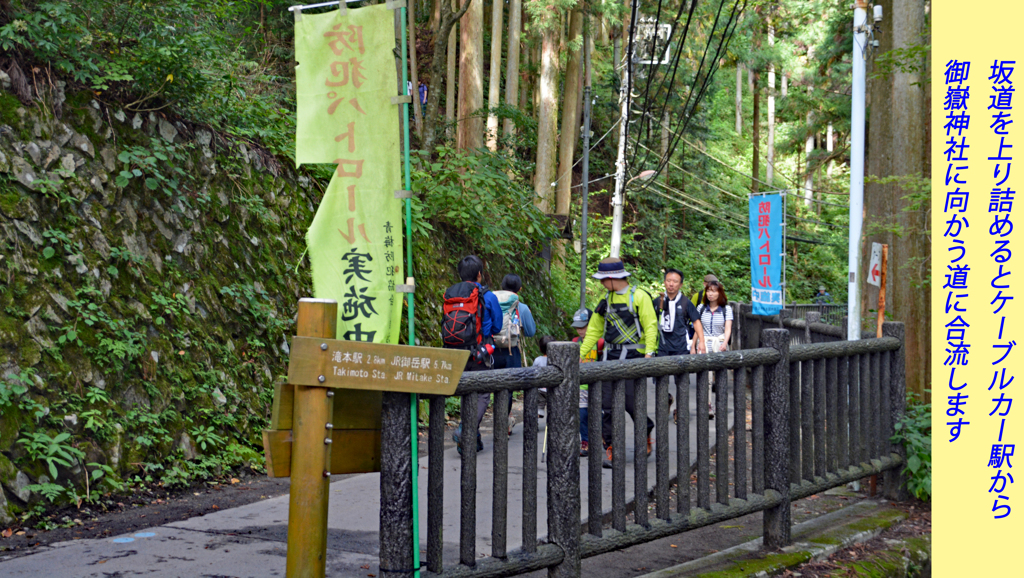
{"type": "Point", "coordinates": [413, 402]}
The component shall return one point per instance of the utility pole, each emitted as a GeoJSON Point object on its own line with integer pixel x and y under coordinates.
{"type": "Point", "coordinates": [860, 40]}
{"type": "Point", "coordinates": [620, 162]}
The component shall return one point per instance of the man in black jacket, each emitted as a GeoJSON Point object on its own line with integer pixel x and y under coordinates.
{"type": "Point", "coordinates": [678, 319]}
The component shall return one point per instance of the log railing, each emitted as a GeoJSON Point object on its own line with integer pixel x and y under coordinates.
{"type": "Point", "coordinates": [822, 415]}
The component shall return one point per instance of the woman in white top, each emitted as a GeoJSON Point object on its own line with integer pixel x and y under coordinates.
{"type": "Point", "coordinates": [716, 318]}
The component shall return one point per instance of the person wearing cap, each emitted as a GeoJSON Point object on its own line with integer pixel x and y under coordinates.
{"type": "Point", "coordinates": [698, 297]}
{"type": "Point", "coordinates": [822, 297]}
{"type": "Point", "coordinates": [579, 322]}
{"type": "Point", "coordinates": [626, 320]}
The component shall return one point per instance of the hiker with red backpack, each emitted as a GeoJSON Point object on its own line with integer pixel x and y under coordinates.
{"type": "Point", "coordinates": [472, 316]}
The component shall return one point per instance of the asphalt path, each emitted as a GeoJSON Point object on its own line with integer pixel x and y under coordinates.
{"type": "Point", "coordinates": [251, 540]}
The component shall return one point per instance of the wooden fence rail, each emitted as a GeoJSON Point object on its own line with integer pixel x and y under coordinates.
{"type": "Point", "coordinates": [822, 414]}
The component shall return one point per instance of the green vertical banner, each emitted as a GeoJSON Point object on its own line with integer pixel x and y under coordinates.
{"type": "Point", "coordinates": [345, 80]}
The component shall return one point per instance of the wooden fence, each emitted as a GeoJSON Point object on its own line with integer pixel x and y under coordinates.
{"type": "Point", "coordinates": [822, 416]}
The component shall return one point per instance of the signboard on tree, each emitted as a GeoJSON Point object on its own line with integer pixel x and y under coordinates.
{"type": "Point", "coordinates": [875, 265]}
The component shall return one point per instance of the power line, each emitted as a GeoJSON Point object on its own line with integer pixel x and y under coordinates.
{"type": "Point", "coordinates": [693, 199]}
{"type": "Point", "coordinates": [698, 209]}
{"type": "Point", "coordinates": [698, 178]}
{"type": "Point", "coordinates": [592, 147]}
{"type": "Point", "coordinates": [724, 191]}
{"type": "Point", "coordinates": [694, 95]}
{"type": "Point", "coordinates": [813, 221]}
{"type": "Point", "coordinates": [724, 41]}
{"type": "Point", "coordinates": [741, 173]}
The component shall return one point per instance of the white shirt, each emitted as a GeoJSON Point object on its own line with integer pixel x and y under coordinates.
{"type": "Point", "coordinates": [714, 323]}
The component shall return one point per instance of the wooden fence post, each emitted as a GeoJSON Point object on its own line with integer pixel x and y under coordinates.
{"type": "Point", "coordinates": [396, 487]}
{"type": "Point", "coordinates": [895, 480]}
{"type": "Point", "coordinates": [564, 459]}
{"type": "Point", "coordinates": [311, 454]}
{"type": "Point", "coordinates": [812, 317]}
{"type": "Point", "coordinates": [776, 435]}
{"type": "Point", "coordinates": [737, 325]}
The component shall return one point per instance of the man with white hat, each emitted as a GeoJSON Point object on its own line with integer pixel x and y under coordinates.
{"type": "Point", "coordinates": [626, 320]}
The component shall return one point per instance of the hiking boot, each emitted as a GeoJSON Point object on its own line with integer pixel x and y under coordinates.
{"type": "Point", "coordinates": [607, 461]}
{"type": "Point", "coordinates": [584, 449]}
{"type": "Point", "coordinates": [457, 438]}
{"type": "Point", "coordinates": [650, 445]}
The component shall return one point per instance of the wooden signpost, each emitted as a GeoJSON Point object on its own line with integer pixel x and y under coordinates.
{"type": "Point", "coordinates": [327, 418]}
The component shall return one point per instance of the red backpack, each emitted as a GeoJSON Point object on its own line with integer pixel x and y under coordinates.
{"type": "Point", "coordinates": [463, 316]}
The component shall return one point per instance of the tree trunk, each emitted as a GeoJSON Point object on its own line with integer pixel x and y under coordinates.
{"type": "Point", "coordinates": [785, 85]}
{"type": "Point", "coordinates": [515, 24]}
{"type": "Point", "coordinates": [526, 90]}
{"type": "Point", "coordinates": [449, 101]}
{"type": "Point", "coordinates": [755, 134]}
{"type": "Point", "coordinates": [470, 127]}
{"type": "Point", "coordinates": [444, 41]}
{"type": "Point", "coordinates": [900, 148]}
{"type": "Point", "coordinates": [567, 142]}
{"type": "Point", "coordinates": [494, 85]}
{"type": "Point", "coordinates": [414, 77]}
{"type": "Point", "coordinates": [547, 122]}
{"type": "Point", "coordinates": [770, 156]}
{"type": "Point", "coordinates": [739, 99]}
{"type": "Point", "coordinates": [538, 59]}
{"type": "Point", "coordinates": [435, 15]}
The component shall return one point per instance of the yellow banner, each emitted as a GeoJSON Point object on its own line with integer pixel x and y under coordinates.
{"type": "Point", "coordinates": [345, 80]}
{"type": "Point", "coordinates": [977, 297]}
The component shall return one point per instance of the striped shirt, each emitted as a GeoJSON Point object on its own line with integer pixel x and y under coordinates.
{"type": "Point", "coordinates": [714, 323]}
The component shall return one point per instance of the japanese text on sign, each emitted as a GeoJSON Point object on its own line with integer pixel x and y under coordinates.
{"type": "Point", "coordinates": [765, 253]}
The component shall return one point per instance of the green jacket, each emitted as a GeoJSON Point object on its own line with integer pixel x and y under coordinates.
{"type": "Point", "coordinates": [644, 308]}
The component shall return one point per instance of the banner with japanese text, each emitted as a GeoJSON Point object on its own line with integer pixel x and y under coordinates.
{"type": "Point", "coordinates": [345, 80]}
{"type": "Point", "coordinates": [976, 302]}
{"type": "Point", "coordinates": [766, 253]}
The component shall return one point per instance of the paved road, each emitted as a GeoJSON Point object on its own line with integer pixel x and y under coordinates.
{"type": "Point", "coordinates": [251, 540]}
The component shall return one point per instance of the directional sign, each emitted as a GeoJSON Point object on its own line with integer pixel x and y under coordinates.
{"type": "Point", "coordinates": [875, 266]}
{"type": "Point", "coordinates": [375, 366]}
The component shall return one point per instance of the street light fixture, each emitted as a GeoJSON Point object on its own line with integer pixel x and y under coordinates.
{"type": "Point", "coordinates": [616, 243]}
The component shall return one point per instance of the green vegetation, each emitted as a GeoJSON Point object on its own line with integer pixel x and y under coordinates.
{"type": "Point", "coordinates": [914, 432]}
{"type": "Point", "coordinates": [145, 330]}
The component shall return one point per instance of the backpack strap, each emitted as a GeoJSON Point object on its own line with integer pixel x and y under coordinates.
{"type": "Point", "coordinates": [480, 305]}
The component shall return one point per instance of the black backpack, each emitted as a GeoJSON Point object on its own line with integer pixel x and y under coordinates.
{"type": "Point", "coordinates": [662, 304]}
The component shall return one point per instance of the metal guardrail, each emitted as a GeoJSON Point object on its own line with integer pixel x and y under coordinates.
{"type": "Point", "coordinates": [822, 415]}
